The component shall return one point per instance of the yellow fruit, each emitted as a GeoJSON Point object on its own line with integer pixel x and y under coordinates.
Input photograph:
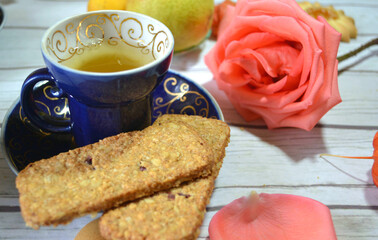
{"type": "Point", "coordinates": [188, 20]}
{"type": "Point", "coordinates": [94, 5]}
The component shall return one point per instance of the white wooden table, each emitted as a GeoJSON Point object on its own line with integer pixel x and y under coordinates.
{"type": "Point", "coordinates": [271, 161]}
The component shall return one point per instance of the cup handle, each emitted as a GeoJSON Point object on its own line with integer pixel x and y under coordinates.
{"type": "Point", "coordinates": [29, 107]}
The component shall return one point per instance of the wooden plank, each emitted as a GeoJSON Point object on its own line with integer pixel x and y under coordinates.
{"type": "Point", "coordinates": [345, 222]}
{"type": "Point", "coordinates": [7, 180]}
{"type": "Point", "coordinates": [19, 52]}
{"type": "Point", "coordinates": [13, 227]}
{"type": "Point", "coordinates": [363, 12]}
{"type": "Point", "coordinates": [291, 157]}
{"type": "Point", "coordinates": [18, 12]}
{"type": "Point", "coordinates": [359, 106]}
{"type": "Point", "coordinates": [345, 196]}
{"type": "Point", "coordinates": [348, 196]}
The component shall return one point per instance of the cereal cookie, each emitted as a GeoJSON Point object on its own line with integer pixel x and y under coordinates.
{"type": "Point", "coordinates": [103, 175]}
{"type": "Point", "coordinates": [177, 213]}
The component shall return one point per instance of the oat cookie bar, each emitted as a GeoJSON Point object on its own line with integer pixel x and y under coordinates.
{"type": "Point", "coordinates": [93, 178]}
{"type": "Point", "coordinates": [176, 213]}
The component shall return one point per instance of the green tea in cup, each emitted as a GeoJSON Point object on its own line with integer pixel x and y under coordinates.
{"type": "Point", "coordinates": [107, 56]}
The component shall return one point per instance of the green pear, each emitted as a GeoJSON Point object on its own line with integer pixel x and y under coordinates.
{"type": "Point", "coordinates": [188, 20]}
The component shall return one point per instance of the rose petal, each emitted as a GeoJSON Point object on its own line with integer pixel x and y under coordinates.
{"type": "Point", "coordinates": [253, 40]}
{"type": "Point", "coordinates": [278, 58]}
{"type": "Point", "coordinates": [240, 27]}
{"type": "Point", "coordinates": [249, 98]}
{"type": "Point", "coordinates": [273, 117]}
{"type": "Point", "coordinates": [308, 119]}
{"type": "Point", "coordinates": [273, 216]}
{"type": "Point", "coordinates": [275, 8]}
{"type": "Point", "coordinates": [232, 73]}
{"type": "Point", "coordinates": [248, 61]}
{"type": "Point", "coordinates": [271, 88]}
{"type": "Point", "coordinates": [288, 26]}
{"type": "Point", "coordinates": [244, 112]}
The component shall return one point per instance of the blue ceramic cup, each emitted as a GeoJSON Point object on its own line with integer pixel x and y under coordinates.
{"type": "Point", "coordinates": [100, 104]}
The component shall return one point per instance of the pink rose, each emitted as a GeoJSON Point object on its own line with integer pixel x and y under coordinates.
{"type": "Point", "coordinates": [275, 61]}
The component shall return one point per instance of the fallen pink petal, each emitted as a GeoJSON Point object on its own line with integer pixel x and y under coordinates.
{"type": "Point", "coordinates": [273, 216]}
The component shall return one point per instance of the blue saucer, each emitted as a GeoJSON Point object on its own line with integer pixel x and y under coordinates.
{"type": "Point", "coordinates": [23, 143]}
{"type": "Point", "coordinates": [2, 17]}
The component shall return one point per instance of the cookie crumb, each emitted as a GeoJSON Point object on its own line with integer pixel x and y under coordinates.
{"type": "Point", "coordinates": [88, 160]}
{"type": "Point", "coordinates": [171, 196]}
{"type": "Point", "coordinates": [184, 195]}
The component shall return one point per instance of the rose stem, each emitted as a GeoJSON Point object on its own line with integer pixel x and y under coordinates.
{"type": "Point", "coordinates": [354, 52]}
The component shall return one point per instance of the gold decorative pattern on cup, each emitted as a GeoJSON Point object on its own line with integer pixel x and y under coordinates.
{"type": "Point", "coordinates": [26, 122]}
{"type": "Point", "coordinates": [90, 33]}
{"type": "Point", "coordinates": [58, 110]}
